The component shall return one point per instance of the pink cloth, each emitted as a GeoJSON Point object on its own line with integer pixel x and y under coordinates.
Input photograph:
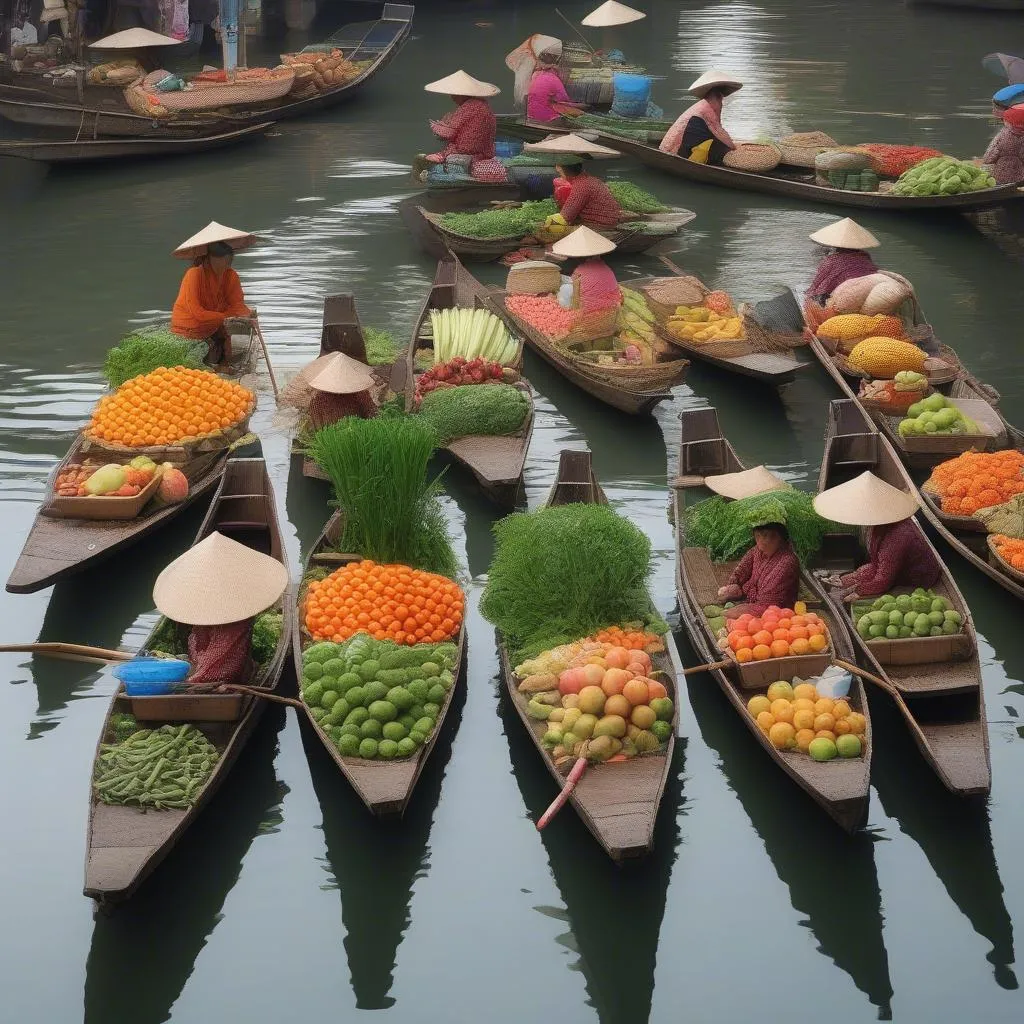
{"type": "Point", "coordinates": [599, 288]}
{"type": "Point", "coordinates": [488, 170]}
{"type": "Point", "coordinates": [220, 654]}
{"type": "Point", "coordinates": [545, 88]}
{"type": "Point", "coordinates": [766, 581]}
{"type": "Point", "coordinates": [898, 556]}
{"type": "Point", "coordinates": [469, 130]}
{"type": "Point", "coordinates": [1005, 153]}
{"type": "Point", "coordinates": [839, 265]}
{"type": "Point", "coordinates": [708, 109]}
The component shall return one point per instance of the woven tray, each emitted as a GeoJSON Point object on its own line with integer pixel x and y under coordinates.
{"type": "Point", "coordinates": [955, 444]}
{"type": "Point", "coordinates": [1001, 564]}
{"type": "Point", "coordinates": [891, 408]}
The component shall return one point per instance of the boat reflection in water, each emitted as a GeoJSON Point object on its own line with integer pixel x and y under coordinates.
{"type": "Point", "coordinates": [143, 954]}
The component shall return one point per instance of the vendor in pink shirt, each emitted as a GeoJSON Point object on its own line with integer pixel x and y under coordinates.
{"type": "Point", "coordinates": [546, 89]}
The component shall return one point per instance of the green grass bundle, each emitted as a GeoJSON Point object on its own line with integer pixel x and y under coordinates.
{"type": "Point", "coordinates": [632, 197]}
{"type": "Point", "coordinates": [513, 222]}
{"type": "Point", "coordinates": [564, 572]}
{"type": "Point", "coordinates": [391, 512]}
{"type": "Point", "coordinates": [380, 346]}
{"type": "Point", "coordinates": [148, 349]}
{"type": "Point", "coordinates": [725, 527]}
{"type": "Point", "coordinates": [490, 409]}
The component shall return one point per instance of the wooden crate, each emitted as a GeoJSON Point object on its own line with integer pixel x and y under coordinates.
{"type": "Point", "coordinates": [200, 707]}
{"type": "Point", "coordinates": [921, 650]}
{"type": "Point", "coordinates": [101, 507]}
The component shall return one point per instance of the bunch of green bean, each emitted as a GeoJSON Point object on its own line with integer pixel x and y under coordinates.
{"type": "Point", "coordinates": [158, 768]}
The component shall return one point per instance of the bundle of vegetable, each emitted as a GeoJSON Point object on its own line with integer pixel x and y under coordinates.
{"type": "Point", "coordinates": [632, 197]}
{"type": "Point", "coordinates": [543, 313]}
{"type": "Point", "coordinates": [486, 409]}
{"type": "Point", "coordinates": [161, 768]}
{"type": "Point", "coordinates": [564, 572]}
{"type": "Point", "coordinates": [266, 634]}
{"type": "Point", "coordinates": [470, 333]}
{"type": "Point", "coordinates": [374, 698]}
{"type": "Point", "coordinates": [977, 480]}
{"type": "Point", "coordinates": [892, 161]}
{"type": "Point", "coordinates": [505, 222]}
{"type": "Point", "coordinates": [942, 176]}
{"type": "Point", "coordinates": [148, 349]}
{"type": "Point", "coordinates": [459, 371]}
{"type": "Point", "coordinates": [725, 527]}
{"type": "Point", "coordinates": [1006, 520]}
{"type": "Point", "coordinates": [378, 469]}
{"type": "Point", "coordinates": [380, 346]}
{"type": "Point", "coordinates": [892, 617]}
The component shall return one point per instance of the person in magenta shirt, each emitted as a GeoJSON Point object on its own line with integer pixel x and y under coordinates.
{"type": "Point", "coordinates": [546, 89]}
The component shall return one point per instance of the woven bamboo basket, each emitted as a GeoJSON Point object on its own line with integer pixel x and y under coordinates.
{"type": "Point", "coordinates": [1002, 564]}
{"type": "Point", "coordinates": [665, 294]}
{"type": "Point", "coordinates": [728, 348]}
{"type": "Point", "coordinates": [897, 407]}
{"type": "Point", "coordinates": [801, 148]}
{"type": "Point", "coordinates": [753, 157]}
{"type": "Point", "coordinates": [939, 444]}
{"type": "Point", "coordinates": [534, 277]}
{"type": "Point", "coordinates": [210, 95]}
{"type": "Point", "coordinates": [592, 326]}
{"type": "Point", "coordinates": [103, 507]}
{"type": "Point", "coordinates": [639, 379]}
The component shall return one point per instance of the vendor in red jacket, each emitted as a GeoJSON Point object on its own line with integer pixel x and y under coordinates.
{"type": "Point", "coordinates": [769, 573]}
{"type": "Point", "coordinates": [899, 555]}
{"type": "Point", "coordinates": [587, 200]}
{"type": "Point", "coordinates": [342, 387]}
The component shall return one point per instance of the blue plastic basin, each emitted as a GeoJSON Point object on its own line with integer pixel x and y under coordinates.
{"type": "Point", "coordinates": [150, 676]}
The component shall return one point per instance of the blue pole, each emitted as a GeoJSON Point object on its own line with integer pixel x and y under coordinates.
{"type": "Point", "coordinates": [230, 16]}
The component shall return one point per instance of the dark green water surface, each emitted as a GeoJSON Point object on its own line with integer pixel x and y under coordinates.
{"type": "Point", "coordinates": [286, 902]}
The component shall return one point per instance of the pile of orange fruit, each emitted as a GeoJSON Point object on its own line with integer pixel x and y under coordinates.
{"type": "Point", "coordinates": [632, 640]}
{"type": "Point", "coordinates": [778, 633]}
{"type": "Point", "coordinates": [168, 406]}
{"type": "Point", "coordinates": [1010, 550]}
{"type": "Point", "coordinates": [390, 602]}
{"type": "Point", "coordinates": [977, 480]}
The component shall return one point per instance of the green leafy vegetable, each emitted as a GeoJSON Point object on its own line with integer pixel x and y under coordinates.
{"type": "Point", "coordinates": [266, 633]}
{"type": "Point", "coordinates": [380, 346]}
{"type": "Point", "coordinates": [725, 527]}
{"type": "Point", "coordinates": [378, 469]}
{"type": "Point", "coordinates": [146, 350]}
{"type": "Point", "coordinates": [501, 223]}
{"type": "Point", "coordinates": [490, 409]}
{"type": "Point", "coordinates": [632, 197]}
{"type": "Point", "coordinates": [564, 572]}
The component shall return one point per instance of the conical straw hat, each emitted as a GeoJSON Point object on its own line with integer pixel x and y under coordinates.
{"type": "Point", "coordinates": [213, 232]}
{"type": "Point", "coordinates": [219, 581]}
{"type": "Point", "coordinates": [745, 483]}
{"type": "Point", "coordinates": [570, 143]}
{"type": "Point", "coordinates": [715, 78]}
{"type": "Point", "coordinates": [461, 84]}
{"type": "Point", "coordinates": [845, 234]}
{"type": "Point", "coordinates": [583, 242]}
{"type": "Point", "coordinates": [342, 375]}
{"type": "Point", "coordinates": [612, 13]}
{"type": "Point", "coordinates": [865, 501]}
{"type": "Point", "coordinates": [134, 39]}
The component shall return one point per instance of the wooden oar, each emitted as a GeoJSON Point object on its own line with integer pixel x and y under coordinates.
{"type": "Point", "coordinates": [69, 652]}
{"type": "Point", "coordinates": [252, 691]}
{"type": "Point", "coordinates": [710, 667]}
{"type": "Point", "coordinates": [257, 330]}
{"type": "Point", "coordinates": [884, 684]}
{"type": "Point", "coordinates": [560, 801]}
{"type": "Point", "coordinates": [675, 268]}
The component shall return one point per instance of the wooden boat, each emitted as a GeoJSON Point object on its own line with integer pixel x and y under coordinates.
{"type": "Point", "coordinates": [125, 844]}
{"type": "Point", "coordinates": [799, 184]}
{"type": "Point", "coordinates": [58, 548]}
{"type": "Point", "coordinates": [88, 151]}
{"type": "Point", "coordinates": [385, 787]}
{"type": "Point", "coordinates": [103, 111]}
{"type": "Point", "coordinates": [618, 802]}
{"type": "Point", "coordinates": [634, 390]}
{"type": "Point", "coordinates": [945, 698]}
{"type": "Point", "coordinates": [774, 367]}
{"type": "Point", "coordinates": [496, 462]}
{"type": "Point", "coordinates": [839, 787]}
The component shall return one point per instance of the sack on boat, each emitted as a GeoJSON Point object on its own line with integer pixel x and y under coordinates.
{"type": "Point", "coordinates": [842, 160]}
{"type": "Point", "coordinates": [754, 157]}
{"type": "Point", "coordinates": [534, 277]}
{"type": "Point", "coordinates": [801, 148]}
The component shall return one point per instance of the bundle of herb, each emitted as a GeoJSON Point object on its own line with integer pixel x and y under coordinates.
{"type": "Point", "coordinates": [266, 634]}
{"type": "Point", "coordinates": [378, 469]}
{"type": "Point", "coordinates": [149, 349]}
{"type": "Point", "coordinates": [489, 409]}
{"type": "Point", "coordinates": [380, 346]}
{"type": "Point", "coordinates": [562, 573]}
{"type": "Point", "coordinates": [505, 222]}
{"type": "Point", "coordinates": [725, 527]}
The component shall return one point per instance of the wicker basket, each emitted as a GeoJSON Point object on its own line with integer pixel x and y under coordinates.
{"type": "Point", "coordinates": [963, 524]}
{"type": "Point", "coordinates": [602, 323]}
{"type": "Point", "coordinates": [1002, 564]}
{"type": "Point", "coordinates": [753, 157]}
{"type": "Point", "coordinates": [665, 294]}
{"type": "Point", "coordinates": [728, 348]}
{"type": "Point", "coordinates": [800, 149]}
{"type": "Point", "coordinates": [534, 277]}
{"type": "Point", "coordinates": [898, 406]}
{"type": "Point", "coordinates": [211, 95]}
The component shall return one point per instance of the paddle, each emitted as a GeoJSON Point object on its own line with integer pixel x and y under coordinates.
{"type": "Point", "coordinates": [586, 42]}
{"type": "Point", "coordinates": [266, 357]}
{"type": "Point", "coordinates": [889, 689]}
{"type": "Point", "coordinates": [675, 268]}
{"type": "Point", "coordinates": [69, 652]}
{"type": "Point", "coordinates": [560, 801]}
{"type": "Point", "coordinates": [252, 691]}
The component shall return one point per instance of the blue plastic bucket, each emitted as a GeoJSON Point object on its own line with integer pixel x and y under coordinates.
{"type": "Point", "coordinates": [505, 149]}
{"type": "Point", "coordinates": [146, 677]}
{"type": "Point", "coordinates": [632, 93]}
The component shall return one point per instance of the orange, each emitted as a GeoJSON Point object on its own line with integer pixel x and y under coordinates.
{"type": "Point", "coordinates": [765, 720]}
{"type": "Point", "coordinates": [782, 736]}
{"type": "Point", "coordinates": [803, 719]}
{"type": "Point", "coordinates": [744, 654]}
{"type": "Point", "coordinates": [858, 723]}
{"type": "Point", "coordinates": [803, 739]}
{"type": "Point", "coordinates": [825, 734]}
{"type": "Point", "coordinates": [842, 726]}
{"type": "Point", "coordinates": [802, 703]}
{"type": "Point", "coordinates": [798, 632]}
{"type": "Point", "coordinates": [761, 652]}
{"type": "Point", "coordinates": [818, 642]}
{"type": "Point", "coordinates": [799, 646]}
{"type": "Point", "coordinates": [781, 634]}
{"type": "Point", "coordinates": [824, 706]}
{"type": "Point", "coordinates": [824, 723]}
{"type": "Point", "coordinates": [841, 709]}
{"type": "Point", "coordinates": [745, 643]}
{"type": "Point", "coordinates": [779, 648]}
{"type": "Point", "coordinates": [782, 710]}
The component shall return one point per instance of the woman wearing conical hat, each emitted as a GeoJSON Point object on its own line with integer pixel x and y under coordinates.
{"type": "Point", "coordinates": [470, 129]}
{"type": "Point", "coordinates": [898, 554]}
{"type": "Point", "coordinates": [343, 387]}
{"type": "Point", "coordinates": [845, 243]}
{"type": "Point", "coordinates": [218, 587]}
{"type": "Point", "coordinates": [595, 282]}
{"type": "Point", "coordinates": [769, 573]}
{"type": "Point", "coordinates": [211, 291]}
{"type": "Point", "coordinates": [697, 133]}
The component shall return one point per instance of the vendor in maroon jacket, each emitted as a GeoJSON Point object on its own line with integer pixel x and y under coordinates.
{"type": "Point", "coordinates": [217, 588]}
{"type": "Point", "coordinates": [845, 257]}
{"type": "Point", "coordinates": [769, 573]}
{"type": "Point", "coordinates": [898, 553]}
{"type": "Point", "coordinates": [342, 387]}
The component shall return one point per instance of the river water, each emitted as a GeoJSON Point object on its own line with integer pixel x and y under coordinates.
{"type": "Point", "coordinates": [285, 901]}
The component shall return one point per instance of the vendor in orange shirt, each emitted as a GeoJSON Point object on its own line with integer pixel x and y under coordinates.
{"type": "Point", "coordinates": [211, 292]}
